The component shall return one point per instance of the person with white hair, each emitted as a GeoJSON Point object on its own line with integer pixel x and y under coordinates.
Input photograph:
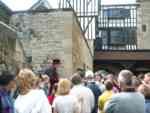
{"type": "Point", "coordinates": [128, 101]}
{"type": "Point", "coordinates": [83, 94]}
{"type": "Point", "coordinates": [99, 81]}
{"type": "Point", "coordinates": [91, 84]}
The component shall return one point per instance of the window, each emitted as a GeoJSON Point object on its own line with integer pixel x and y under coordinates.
{"type": "Point", "coordinates": [29, 59]}
{"type": "Point", "coordinates": [144, 28]}
{"type": "Point", "coordinates": [118, 37]}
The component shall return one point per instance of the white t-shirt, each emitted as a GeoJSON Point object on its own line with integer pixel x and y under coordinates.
{"type": "Point", "coordinates": [33, 102]}
{"type": "Point", "coordinates": [85, 98]}
{"type": "Point", "coordinates": [66, 104]}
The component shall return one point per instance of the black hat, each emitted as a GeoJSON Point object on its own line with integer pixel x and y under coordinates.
{"type": "Point", "coordinates": [56, 61]}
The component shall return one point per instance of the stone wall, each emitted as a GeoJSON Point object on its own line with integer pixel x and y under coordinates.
{"type": "Point", "coordinates": [7, 48]}
{"type": "Point", "coordinates": [143, 32]}
{"type": "Point", "coordinates": [20, 57]}
{"type": "Point", "coordinates": [53, 34]}
{"type": "Point", "coordinates": [82, 54]}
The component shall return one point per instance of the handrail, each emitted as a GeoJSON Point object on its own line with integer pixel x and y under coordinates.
{"type": "Point", "coordinates": [117, 47]}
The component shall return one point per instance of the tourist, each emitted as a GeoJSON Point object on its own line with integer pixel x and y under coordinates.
{"type": "Point", "coordinates": [98, 80]}
{"type": "Point", "coordinates": [89, 75]}
{"type": "Point", "coordinates": [136, 82]}
{"type": "Point", "coordinates": [64, 102]}
{"type": "Point", "coordinates": [84, 95]}
{"type": "Point", "coordinates": [7, 85]}
{"type": "Point", "coordinates": [30, 100]}
{"type": "Point", "coordinates": [44, 83]}
{"type": "Point", "coordinates": [146, 92]}
{"type": "Point", "coordinates": [146, 80]}
{"type": "Point", "coordinates": [106, 95]}
{"type": "Point", "coordinates": [128, 101]}
{"type": "Point", "coordinates": [111, 77]}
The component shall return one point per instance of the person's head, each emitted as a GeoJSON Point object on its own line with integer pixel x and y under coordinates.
{"type": "Point", "coordinates": [89, 75]}
{"type": "Point", "coordinates": [108, 85]}
{"type": "Point", "coordinates": [7, 81]}
{"type": "Point", "coordinates": [147, 78]}
{"type": "Point", "coordinates": [136, 82]}
{"type": "Point", "coordinates": [81, 72]}
{"type": "Point", "coordinates": [76, 79]}
{"type": "Point", "coordinates": [144, 90]}
{"type": "Point", "coordinates": [64, 86]}
{"type": "Point", "coordinates": [110, 77]}
{"type": "Point", "coordinates": [45, 78]}
{"type": "Point", "coordinates": [125, 80]}
{"type": "Point", "coordinates": [141, 76]}
{"type": "Point", "coordinates": [98, 76]}
{"type": "Point", "coordinates": [26, 79]}
{"type": "Point", "coordinates": [56, 62]}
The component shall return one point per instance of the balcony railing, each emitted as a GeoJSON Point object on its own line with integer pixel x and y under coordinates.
{"type": "Point", "coordinates": [116, 27]}
{"type": "Point", "coordinates": [99, 46]}
{"type": "Point", "coordinates": [125, 47]}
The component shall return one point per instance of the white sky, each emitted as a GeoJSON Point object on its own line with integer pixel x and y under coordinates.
{"type": "Point", "coordinates": [118, 1]}
{"type": "Point", "coordinates": [26, 4]}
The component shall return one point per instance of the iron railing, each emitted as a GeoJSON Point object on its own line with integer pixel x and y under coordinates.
{"type": "Point", "coordinates": [116, 27]}
{"type": "Point", "coordinates": [113, 27]}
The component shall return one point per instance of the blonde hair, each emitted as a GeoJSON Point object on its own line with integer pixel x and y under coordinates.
{"type": "Point", "coordinates": [26, 79]}
{"type": "Point", "coordinates": [64, 86]}
{"type": "Point", "coordinates": [36, 82]}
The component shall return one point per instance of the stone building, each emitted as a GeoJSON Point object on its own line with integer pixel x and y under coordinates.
{"type": "Point", "coordinates": [40, 34]}
{"type": "Point", "coordinates": [53, 34]}
{"type": "Point", "coordinates": [11, 54]}
{"type": "Point", "coordinates": [121, 31]}
{"type": "Point", "coordinates": [134, 52]}
{"type": "Point", "coordinates": [7, 47]}
{"type": "Point", "coordinates": [143, 36]}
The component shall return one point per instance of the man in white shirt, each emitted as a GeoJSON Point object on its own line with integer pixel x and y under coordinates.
{"type": "Point", "coordinates": [83, 94]}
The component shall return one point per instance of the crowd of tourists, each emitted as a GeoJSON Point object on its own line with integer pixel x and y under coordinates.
{"type": "Point", "coordinates": [83, 92]}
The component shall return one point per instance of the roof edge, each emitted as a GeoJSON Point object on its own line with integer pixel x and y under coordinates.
{"type": "Point", "coordinates": [3, 4]}
{"type": "Point", "coordinates": [43, 11]}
